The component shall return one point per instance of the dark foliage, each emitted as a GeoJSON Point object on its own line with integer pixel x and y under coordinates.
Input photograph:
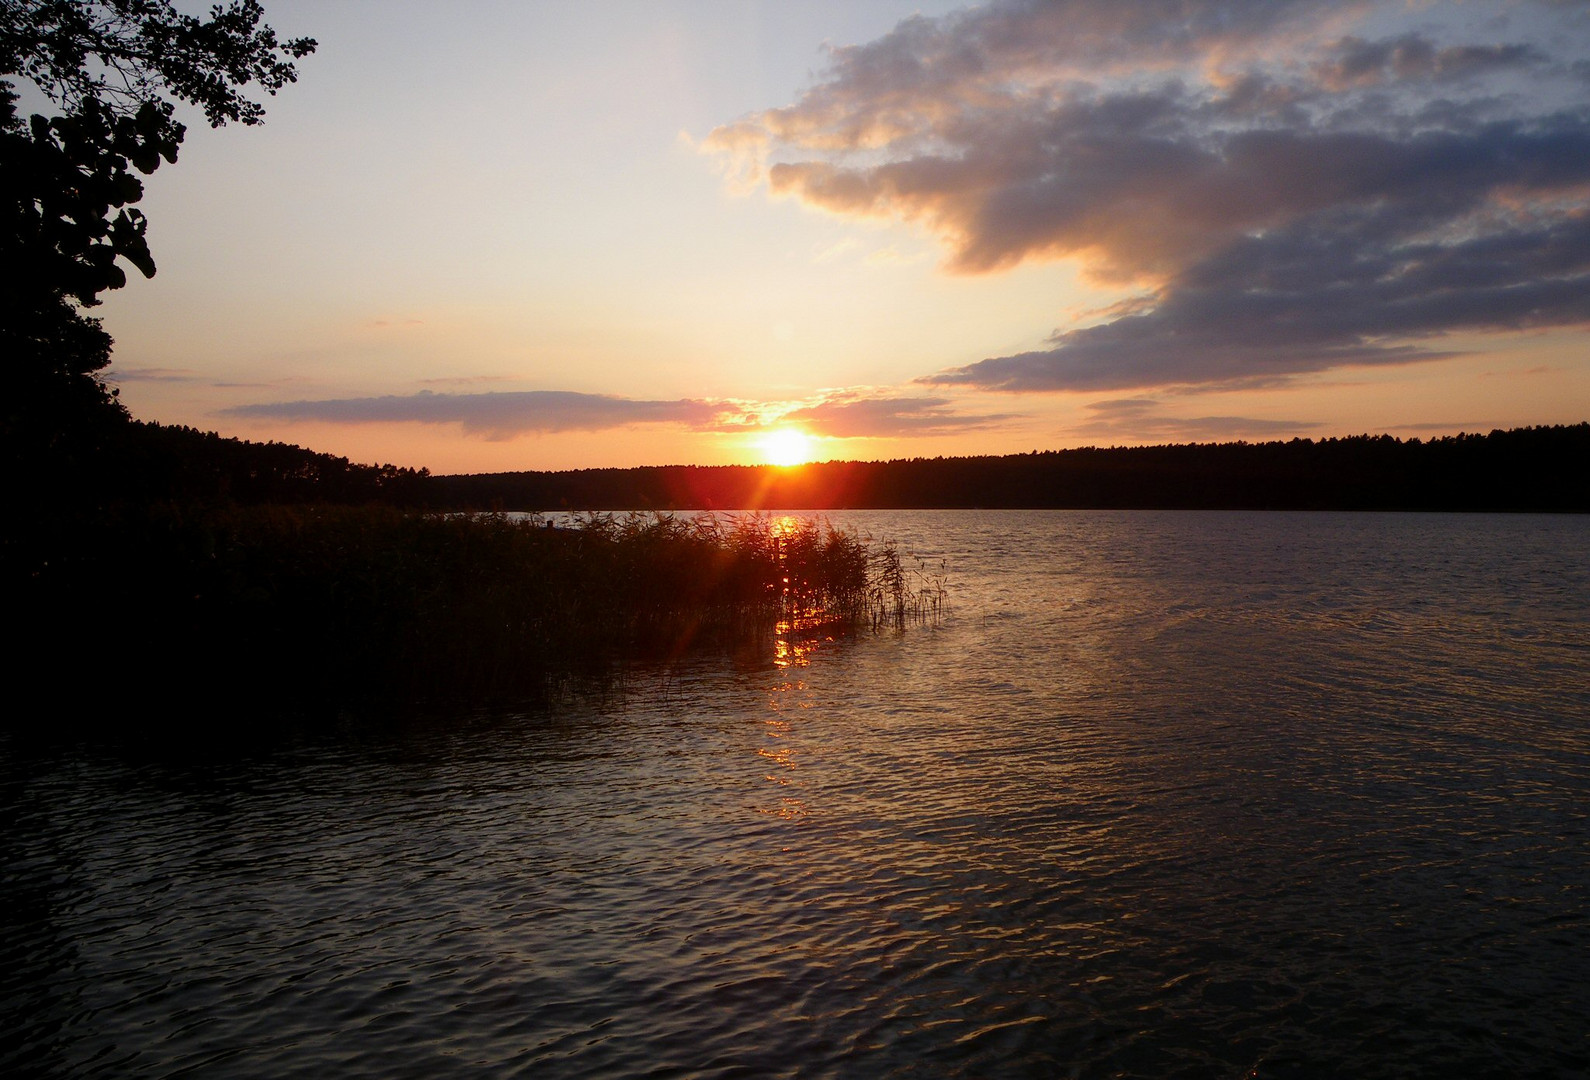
{"type": "Point", "coordinates": [219, 615]}
{"type": "Point", "coordinates": [160, 462]}
{"type": "Point", "coordinates": [75, 482]}
{"type": "Point", "coordinates": [116, 71]}
{"type": "Point", "coordinates": [1539, 468]}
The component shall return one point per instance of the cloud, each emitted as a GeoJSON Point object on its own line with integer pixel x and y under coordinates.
{"type": "Point", "coordinates": [845, 414]}
{"type": "Point", "coordinates": [1282, 188]}
{"type": "Point", "coordinates": [1524, 373]}
{"type": "Point", "coordinates": [500, 415]}
{"type": "Point", "coordinates": [1357, 62]}
{"type": "Point", "coordinates": [1448, 427]}
{"type": "Point", "coordinates": [834, 251]}
{"type": "Point", "coordinates": [1138, 420]}
{"type": "Point", "coordinates": [153, 374]}
{"type": "Point", "coordinates": [1320, 294]}
{"type": "Point", "coordinates": [892, 256]}
{"type": "Point", "coordinates": [464, 380]}
{"type": "Point", "coordinates": [854, 416]}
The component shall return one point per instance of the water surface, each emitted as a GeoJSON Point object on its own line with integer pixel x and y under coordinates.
{"type": "Point", "coordinates": [1193, 794]}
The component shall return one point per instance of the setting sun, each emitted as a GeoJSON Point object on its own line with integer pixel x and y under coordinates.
{"type": "Point", "coordinates": [787, 446]}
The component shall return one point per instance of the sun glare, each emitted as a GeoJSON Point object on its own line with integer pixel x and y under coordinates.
{"type": "Point", "coordinates": [787, 446]}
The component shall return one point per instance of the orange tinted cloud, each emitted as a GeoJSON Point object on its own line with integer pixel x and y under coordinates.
{"type": "Point", "coordinates": [854, 416]}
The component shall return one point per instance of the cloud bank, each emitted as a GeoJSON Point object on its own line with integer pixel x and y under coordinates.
{"type": "Point", "coordinates": [843, 414]}
{"type": "Point", "coordinates": [850, 416]}
{"type": "Point", "coordinates": [1279, 188]}
{"type": "Point", "coordinates": [501, 415]}
{"type": "Point", "coordinates": [1135, 419]}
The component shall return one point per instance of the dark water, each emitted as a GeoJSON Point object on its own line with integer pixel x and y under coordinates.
{"type": "Point", "coordinates": [1166, 795]}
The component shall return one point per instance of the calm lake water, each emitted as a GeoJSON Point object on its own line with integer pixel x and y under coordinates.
{"type": "Point", "coordinates": [1166, 794]}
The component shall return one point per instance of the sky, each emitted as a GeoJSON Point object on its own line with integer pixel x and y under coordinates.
{"type": "Point", "coordinates": [495, 236]}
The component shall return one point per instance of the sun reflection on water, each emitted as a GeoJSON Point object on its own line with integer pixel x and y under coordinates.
{"type": "Point", "coordinates": [797, 636]}
{"type": "Point", "coordinates": [781, 760]}
{"type": "Point", "coordinates": [791, 649]}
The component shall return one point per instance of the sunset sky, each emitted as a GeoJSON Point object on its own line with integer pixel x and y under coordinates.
{"type": "Point", "coordinates": [492, 236]}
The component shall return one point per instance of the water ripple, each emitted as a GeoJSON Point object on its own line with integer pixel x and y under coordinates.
{"type": "Point", "coordinates": [1167, 795]}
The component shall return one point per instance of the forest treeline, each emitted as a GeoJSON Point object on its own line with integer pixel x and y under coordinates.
{"type": "Point", "coordinates": [1534, 468]}
{"type": "Point", "coordinates": [155, 462]}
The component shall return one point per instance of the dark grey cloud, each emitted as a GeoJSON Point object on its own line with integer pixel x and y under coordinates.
{"type": "Point", "coordinates": [1284, 198]}
{"type": "Point", "coordinates": [1357, 62]}
{"type": "Point", "coordinates": [1324, 293]}
{"type": "Point", "coordinates": [884, 417]}
{"type": "Point", "coordinates": [497, 415]}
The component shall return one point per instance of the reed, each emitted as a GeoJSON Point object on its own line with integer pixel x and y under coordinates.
{"type": "Point", "coordinates": [231, 607]}
{"type": "Point", "coordinates": [898, 596]}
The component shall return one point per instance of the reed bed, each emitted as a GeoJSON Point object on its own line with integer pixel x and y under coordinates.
{"type": "Point", "coordinates": [229, 608]}
{"type": "Point", "coordinates": [897, 596]}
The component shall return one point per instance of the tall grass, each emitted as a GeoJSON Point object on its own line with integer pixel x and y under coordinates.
{"type": "Point", "coordinates": [230, 608]}
{"type": "Point", "coordinates": [897, 596]}
{"type": "Point", "coordinates": [716, 572]}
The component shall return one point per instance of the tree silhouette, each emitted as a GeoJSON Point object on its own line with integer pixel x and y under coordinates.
{"type": "Point", "coordinates": [116, 71]}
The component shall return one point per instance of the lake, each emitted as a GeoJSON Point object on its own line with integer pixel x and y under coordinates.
{"type": "Point", "coordinates": [1164, 794]}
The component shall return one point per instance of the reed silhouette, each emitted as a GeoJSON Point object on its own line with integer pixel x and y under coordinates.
{"type": "Point", "coordinates": [228, 610]}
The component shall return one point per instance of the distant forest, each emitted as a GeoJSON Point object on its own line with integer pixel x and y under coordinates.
{"type": "Point", "coordinates": [142, 463]}
{"type": "Point", "coordinates": [1536, 468]}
